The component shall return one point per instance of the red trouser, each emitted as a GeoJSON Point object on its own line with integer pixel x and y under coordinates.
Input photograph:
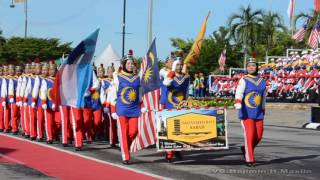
{"type": "Point", "coordinates": [128, 129]}
{"type": "Point", "coordinates": [31, 114]}
{"type": "Point", "coordinates": [22, 120]}
{"type": "Point", "coordinates": [111, 128]}
{"type": "Point", "coordinates": [40, 122]}
{"type": "Point", "coordinates": [49, 120]}
{"type": "Point", "coordinates": [26, 120]}
{"type": "Point", "coordinates": [97, 120]}
{"type": "Point", "coordinates": [57, 123]}
{"type": "Point", "coordinates": [65, 124]}
{"type": "Point", "coordinates": [1, 118]}
{"type": "Point", "coordinates": [6, 118]}
{"type": "Point", "coordinates": [253, 131]}
{"type": "Point", "coordinates": [15, 117]}
{"type": "Point", "coordinates": [88, 123]}
{"type": "Point", "coordinates": [77, 126]}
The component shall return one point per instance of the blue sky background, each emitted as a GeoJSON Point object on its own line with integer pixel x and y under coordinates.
{"type": "Point", "coordinates": [72, 20]}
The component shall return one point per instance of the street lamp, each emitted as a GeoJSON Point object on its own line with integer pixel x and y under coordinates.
{"type": "Point", "coordinates": [26, 16]}
{"type": "Point", "coordinates": [12, 5]}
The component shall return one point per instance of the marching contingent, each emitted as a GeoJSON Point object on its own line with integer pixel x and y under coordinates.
{"type": "Point", "coordinates": [295, 78]}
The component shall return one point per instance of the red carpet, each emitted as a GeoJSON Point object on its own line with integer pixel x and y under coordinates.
{"type": "Point", "coordinates": [60, 164]}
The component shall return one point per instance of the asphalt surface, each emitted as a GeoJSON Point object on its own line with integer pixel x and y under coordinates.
{"type": "Point", "coordinates": [284, 153]}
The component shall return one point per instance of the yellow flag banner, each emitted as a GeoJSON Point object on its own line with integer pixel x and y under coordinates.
{"type": "Point", "coordinates": [19, 1]}
{"type": "Point", "coordinates": [194, 53]}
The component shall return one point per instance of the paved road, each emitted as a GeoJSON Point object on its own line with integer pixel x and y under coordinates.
{"type": "Point", "coordinates": [285, 153]}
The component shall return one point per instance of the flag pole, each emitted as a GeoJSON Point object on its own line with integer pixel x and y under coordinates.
{"type": "Point", "coordinates": [150, 18]}
{"type": "Point", "coordinates": [26, 19]}
{"type": "Point", "coordinates": [123, 27]}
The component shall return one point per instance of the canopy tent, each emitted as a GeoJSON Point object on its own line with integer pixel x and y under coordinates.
{"type": "Point", "coordinates": [108, 57]}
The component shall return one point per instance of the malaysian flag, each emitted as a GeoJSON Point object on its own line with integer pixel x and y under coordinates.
{"type": "Point", "coordinates": [222, 60]}
{"type": "Point", "coordinates": [150, 93]}
{"type": "Point", "coordinates": [313, 39]}
{"type": "Point", "coordinates": [299, 35]}
{"type": "Point", "coordinates": [290, 11]}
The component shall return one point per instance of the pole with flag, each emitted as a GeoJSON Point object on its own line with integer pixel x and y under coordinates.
{"type": "Point", "coordinates": [291, 8]}
{"type": "Point", "coordinates": [75, 75]}
{"type": "Point", "coordinates": [299, 35]}
{"type": "Point", "coordinates": [314, 37]}
{"type": "Point", "coordinates": [150, 95]}
{"type": "Point", "coordinates": [194, 53]}
{"type": "Point", "coordinates": [317, 5]}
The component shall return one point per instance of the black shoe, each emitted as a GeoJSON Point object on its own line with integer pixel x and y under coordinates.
{"type": "Point", "coordinates": [243, 150]}
{"type": "Point", "coordinates": [1, 130]}
{"type": "Point", "coordinates": [169, 160]}
{"type": "Point", "coordinates": [27, 136]}
{"type": "Point", "coordinates": [78, 148]}
{"type": "Point", "coordinates": [15, 133]}
{"type": "Point", "coordinates": [33, 138]}
{"type": "Point", "coordinates": [178, 155]}
{"type": "Point", "coordinates": [126, 162]}
{"type": "Point", "coordinates": [50, 142]}
{"type": "Point", "coordinates": [250, 164]}
{"type": "Point", "coordinates": [40, 140]}
{"type": "Point", "coordinates": [89, 142]}
{"type": "Point", "coordinates": [65, 145]}
{"type": "Point", "coordinates": [113, 146]}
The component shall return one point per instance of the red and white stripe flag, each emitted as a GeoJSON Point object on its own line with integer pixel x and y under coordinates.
{"type": "Point", "coordinates": [150, 85]}
{"type": "Point", "coordinates": [317, 5]}
{"type": "Point", "coordinates": [222, 60]}
{"type": "Point", "coordinates": [299, 35]}
{"type": "Point", "coordinates": [290, 11]}
{"type": "Point", "coordinates": [313, 39]}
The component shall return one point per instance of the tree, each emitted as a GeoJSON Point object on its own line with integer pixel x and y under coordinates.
{"type": "Point", "coordinates": [311, 19]}
{"type": "Point", "coordinates": [245, 27]}
{"type": "Point", "coordinates": [271, 24]}
{"type": "Point", "coordinates": [2, 39]}
{"type": "Point", "coordinates": [210, 51]}
{"type": "Point", "coordinates": [19, 50]}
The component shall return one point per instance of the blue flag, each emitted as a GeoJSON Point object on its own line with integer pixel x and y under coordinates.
{"type": "Point", "coordinates": [75, 75]}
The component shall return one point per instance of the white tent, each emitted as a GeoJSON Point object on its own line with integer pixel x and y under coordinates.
{"type": "Point", "coordinates": [108, 57]}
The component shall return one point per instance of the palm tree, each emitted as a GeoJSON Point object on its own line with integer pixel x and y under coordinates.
{"type": "Point", "coordinates": [311, 18]}
{"type": "Point", "coordinates": [271, 23]}
{"type": "Point", "coordinates": [245, 26]}
{"type": "Point", "coordinates": [222, 35]}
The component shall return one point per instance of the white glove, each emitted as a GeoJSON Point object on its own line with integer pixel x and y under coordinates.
{"type": "Point", "coordinates": [25, 104]}
{"type": "Point", "coordinates": [143, 110]}
{"type": "Point", "coordinates": [3, 104]}
{"type": "Point", "coordinates": [53, 106]}
{"type": "Point", "coordinates": [11, 100]}
{"type": "Point", "coordinates": [238, 106]}
{"type": "Point", "coordinates": [114, 115]}
{"type": "Point", "coordinates": [19, 103]}
{"type": "Point", "coordinates": [44, 106]}
{"type": "Point", "coordinates": [33, 104]}
{"type": "Point", "coordinates": [87, 94]}
{"type": "Point", "coordinates": [106, 110]}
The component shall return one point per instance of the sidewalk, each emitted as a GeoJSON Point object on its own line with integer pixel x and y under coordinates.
{"type": "Point", "coordinates": [281, 114]}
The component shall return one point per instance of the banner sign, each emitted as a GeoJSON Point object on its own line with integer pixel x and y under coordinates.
{"type": "Point", "coordinates": [192, 129]}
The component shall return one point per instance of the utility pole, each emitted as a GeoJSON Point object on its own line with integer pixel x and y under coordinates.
{"type": "Point", "coordinates": [150, 17]}
{"type": "Point", "coordinates": [26, 19]}
{"type": "Point", "coordinates": [123, 27]}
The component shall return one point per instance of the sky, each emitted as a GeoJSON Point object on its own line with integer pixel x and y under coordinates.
{"type": "Point", "coordinates": [73, 20]}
